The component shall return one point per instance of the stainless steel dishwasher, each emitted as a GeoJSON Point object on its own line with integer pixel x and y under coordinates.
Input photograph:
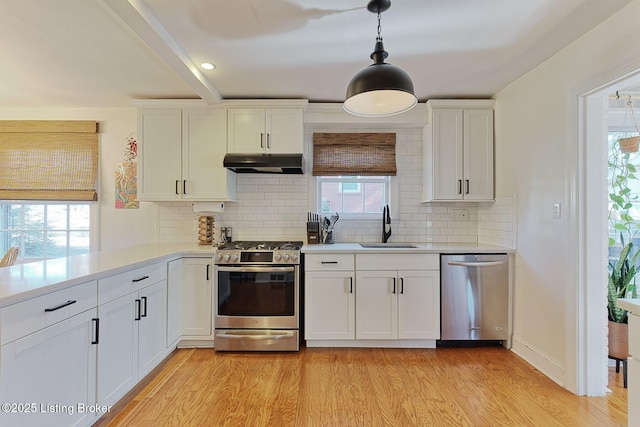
{"type": "Point", "coordinates": [474, 292]}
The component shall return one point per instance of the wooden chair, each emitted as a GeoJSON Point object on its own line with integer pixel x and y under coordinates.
{"type": "Point", "coordinates": [9, 257]}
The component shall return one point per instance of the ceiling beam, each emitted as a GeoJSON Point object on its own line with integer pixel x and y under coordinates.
{"type": "Point", "coordinates": [146, 26]}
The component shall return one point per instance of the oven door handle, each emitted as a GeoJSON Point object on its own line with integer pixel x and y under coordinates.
{"type": "Point", "coordinates": [256, 337]}
{"type": "Point", "coordinates": [261, 269]}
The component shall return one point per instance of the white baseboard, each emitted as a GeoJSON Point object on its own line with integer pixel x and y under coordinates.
{"type": "Point", "coordinates": [545, 364]}
{"type": "Point", "coordinates": [373, 343]}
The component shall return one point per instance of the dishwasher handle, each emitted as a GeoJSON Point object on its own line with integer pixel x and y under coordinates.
{"type": "Point", "coordinates": [475, 263]}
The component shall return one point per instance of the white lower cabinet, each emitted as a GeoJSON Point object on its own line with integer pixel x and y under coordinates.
{"type": "Point", "coordinates": [197, 299]}
{"type": "Point", "coordinates": [133, 329]}
{"type": "Point", "coordinates": [329, 305]}
{"type": "Point", "coordinates": [398, 304]}
{"type": "Point", "coordinates": [372, 299]}
{"type": "Point", "coordinates": [47, 374]}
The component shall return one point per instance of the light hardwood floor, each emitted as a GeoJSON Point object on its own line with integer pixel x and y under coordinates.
{"type": "Point", "coordinates": [487, 386]}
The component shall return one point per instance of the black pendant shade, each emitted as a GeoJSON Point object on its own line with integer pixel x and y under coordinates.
{"type": "Point", "coordinates": [381, 89]}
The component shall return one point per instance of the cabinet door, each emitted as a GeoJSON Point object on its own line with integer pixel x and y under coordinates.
{"type": "Point", "coordinates": [118, 349]}
{"type": "Point", "coordinates": [329, 305]}
{"type": "Point", "coordinates": [284, 127]}
{"type": "Point", "coordinates": [197, 299]}
{"type": "Point", "coordinates": [204, 144]}
{"type": "Point", "coordinates": [419, 305]}
{"type": "Point", "coordinates": [478, 154]}
{"type": "Point", "coordinates": [447, 154]}
{"type": "Point", "coordinates": [152, 327]}
{"type": "Point", "coordinates": [377, 305]}
{"type": "Point", "coordinates": [174, 301]}
{"type": "Point", "coordinates": [48, 373]}
{"type": "Point", "coordinates": [160, 133]}
{"type": "Point", "coordinates": [246, 130]}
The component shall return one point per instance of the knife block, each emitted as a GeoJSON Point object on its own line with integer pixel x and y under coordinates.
{"type": "Point", "coordinates": [313, 233]}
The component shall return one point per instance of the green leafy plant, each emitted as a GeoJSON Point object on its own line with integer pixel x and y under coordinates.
{"type": "Point", "coordinates": [623, 267]}
{"type": "Point", "coordinates": [622, 281]}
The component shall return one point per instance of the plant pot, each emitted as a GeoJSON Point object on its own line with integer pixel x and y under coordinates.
{"type": "Point", "coordinates": [618, 340]}
{"type": "Point", "coordinates": [629, 145]}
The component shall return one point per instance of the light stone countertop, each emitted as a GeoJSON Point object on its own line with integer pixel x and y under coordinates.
{"type": "Point", "coordinates": [24, 281]}
{"type": "Point", "coordinates": [449, 248]}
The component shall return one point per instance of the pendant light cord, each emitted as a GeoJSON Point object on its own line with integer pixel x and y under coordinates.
{"type": "Point", "coordinates": [379, 38]}
{"type": "Point", "coordinates": [633, 115]}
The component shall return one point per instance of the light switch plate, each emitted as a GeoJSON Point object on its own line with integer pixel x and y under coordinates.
{"type": "Point", "coordinates": [556, 211]}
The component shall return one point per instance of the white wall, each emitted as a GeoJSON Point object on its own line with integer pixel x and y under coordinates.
{"type": "Point", "coordinates": [118, 227]}
{"type": "Point", "coordinates": [537, 161]}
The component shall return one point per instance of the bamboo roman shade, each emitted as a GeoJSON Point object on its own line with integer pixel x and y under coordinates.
{"type": "Point", "coordinates": [48, 160]}
{"type": "Point", "coordinates": [347, 154]}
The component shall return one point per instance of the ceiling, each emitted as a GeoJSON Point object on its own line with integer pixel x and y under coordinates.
{"type": "Point", "coordinates": [105, 53]}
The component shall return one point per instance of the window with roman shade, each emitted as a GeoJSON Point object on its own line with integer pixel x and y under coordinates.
{"type": "Point", "coordinates": [348, 154]}
{"type": "Point", "coordinates": [48, 160]}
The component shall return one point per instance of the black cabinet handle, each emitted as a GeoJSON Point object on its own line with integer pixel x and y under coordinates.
{"type": "Point", "coordinates": [459, 186]}
{"type": "Point", "coordinates": [137, 310]}
{"type": "Point", "coordinates": [394, 285]}
{"type": "Point", "coordinates": [177, 183]}
{"type": "Point", "coordinates": [140, 279]}
{"type": "Point", "coordinates": [207, 271]}
{"type": "Point", "coordinates": [268, 140]}
{"type": "Point", "coordinates": [350, 285]}
{"type": "Point", "coordinates": [63, 305]}
{"type": "Point", "coordinates": [184, 186]}
{"type": "Point", "coordinates": [144, 300]}
{"type": "Point", "coordinates": [466, 181]}
{"type": "Point", "coordinates": [261, 140]}
{"type": "Point", "coordinates": [96, 328]}
{"type": "Point", "coordinates": [329, 262]}
{"type": "Point", "coordinates": [402, 285]}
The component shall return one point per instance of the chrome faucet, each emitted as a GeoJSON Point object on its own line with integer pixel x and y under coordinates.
{"type": "Point", "coordinates": [386, 224]}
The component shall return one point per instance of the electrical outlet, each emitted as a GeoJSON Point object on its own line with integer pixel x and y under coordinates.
{"type": "Point", "coordinates": [460, 214]}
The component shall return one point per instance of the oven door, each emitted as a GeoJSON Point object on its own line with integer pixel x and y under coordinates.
{"type": "Point", "coordinates": [256, 297]}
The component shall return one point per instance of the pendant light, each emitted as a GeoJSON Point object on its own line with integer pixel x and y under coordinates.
{"type": "Point", "coordinates": [381, 89]}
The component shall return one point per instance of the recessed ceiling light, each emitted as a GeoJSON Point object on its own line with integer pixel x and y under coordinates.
{"type": "Point", "coordinates": [208, 66]}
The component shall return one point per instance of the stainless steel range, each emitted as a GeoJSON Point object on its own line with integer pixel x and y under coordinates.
{"type": "Point", "coordinates": [257, 295]}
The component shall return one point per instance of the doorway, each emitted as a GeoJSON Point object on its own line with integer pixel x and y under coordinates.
{"type": "Point", "coordinates": [592, 360]}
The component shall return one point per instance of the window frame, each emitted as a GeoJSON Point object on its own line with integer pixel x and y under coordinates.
{"type": "Point", "coordinates": [92, 230]}
{"type": "Point", "coordinates": [391, 197]}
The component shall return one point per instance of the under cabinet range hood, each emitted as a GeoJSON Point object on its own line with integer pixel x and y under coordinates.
{"type": "Point", "coordinates": [265, 163]}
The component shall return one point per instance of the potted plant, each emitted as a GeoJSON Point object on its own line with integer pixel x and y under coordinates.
{"type": "Point", "coordinates": [623, 256]}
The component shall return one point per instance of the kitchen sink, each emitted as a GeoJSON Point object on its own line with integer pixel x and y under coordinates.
{"type": "Point", "coordinates": [388, 245]}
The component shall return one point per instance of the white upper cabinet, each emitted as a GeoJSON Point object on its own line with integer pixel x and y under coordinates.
{"type": "Point", "coordinates": [458, 151]}
{"type": "Point", "coordinates": [181, 154]}
{"type": "Point", "coordinates": [267, 130]}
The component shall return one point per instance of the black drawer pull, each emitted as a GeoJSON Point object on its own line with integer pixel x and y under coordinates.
{"type": "Point", "coordinates": [329, 262]}
{"type": "Point", "coordinates": [140, 279]}
{"type": "Point", "coordinates": [96, 322]}
{"type": "Point", "coordinates": [63, 305]}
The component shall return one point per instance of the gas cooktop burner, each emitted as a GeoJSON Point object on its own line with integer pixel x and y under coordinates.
{"type": "Point", "coordinates": [261, 246]}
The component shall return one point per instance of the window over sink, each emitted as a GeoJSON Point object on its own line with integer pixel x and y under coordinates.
{"type": "Point", "coordinates": [353, 196]}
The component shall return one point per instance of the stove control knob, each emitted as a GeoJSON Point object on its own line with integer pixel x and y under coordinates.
{"type": "Point", "coordinates": [226, 258]}
{"type": "Point", "coordinates": [235, 256]}
{"type": "Point", "coordinates": [278, 257]}
{"type": "Point", "coordinates": [286, 257]}
{"type": "Point", "coordinates": [294, 257]}
{"type": "Point", "coordinates": [219, 257]}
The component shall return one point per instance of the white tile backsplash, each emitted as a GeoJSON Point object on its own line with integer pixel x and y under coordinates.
{"type": "Point", "coordinates": [274, 207]}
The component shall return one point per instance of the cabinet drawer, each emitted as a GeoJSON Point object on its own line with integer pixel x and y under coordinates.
{"type": "Point", "coordinates": [26, 317]}
{"type": "Point", "coordinates": [387, 261]}
{"type": "Point", "coordinates": [115, 286]}
{"type": "Point", "coordinates": [328, 262]}
{"type": "Point", "coordinates": [634, 337]}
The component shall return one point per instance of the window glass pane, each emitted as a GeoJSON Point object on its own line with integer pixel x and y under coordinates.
{"type": "Point", "coordinates": [373, 197]}
{"type": "Point", "coordinates": [78, 242]}
{"type": "Point", "coordinates": [357, 195]}
{"type": "Point", "coordinates": [331, 197]}
{"type": "Point", "coordinates": [33, 244]}
{"type": "Point", "coordinates": [56, 244]}
{"type": "Point", "coordinates": [34, 217]}
{"type": "Point", "coordinates": [57, 217]}
{"type": "Point", "coordinates": [79, 217]}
